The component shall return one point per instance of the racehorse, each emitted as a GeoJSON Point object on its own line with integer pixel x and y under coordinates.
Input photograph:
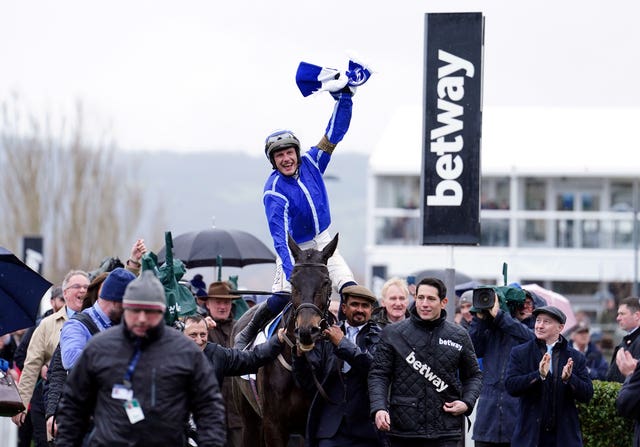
{"type": "Point", "coordinates": [283, 406]}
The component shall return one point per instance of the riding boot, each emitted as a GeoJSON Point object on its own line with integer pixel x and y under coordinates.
{"type": "Point", "coordinates": [259, 319]}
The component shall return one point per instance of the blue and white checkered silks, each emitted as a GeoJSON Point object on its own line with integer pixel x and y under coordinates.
{"type": "Point", "coordinates": [312, 78]}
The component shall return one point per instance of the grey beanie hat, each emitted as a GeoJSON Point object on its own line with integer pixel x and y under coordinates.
{"type": "Point", "coordinates": [145, 292]}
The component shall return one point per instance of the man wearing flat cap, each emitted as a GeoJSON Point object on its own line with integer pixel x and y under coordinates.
{"type": "Point", "coordinates": [340, 362]}
{"type": "Point", "coordinates": [140, 380]}
{"type": "Point", "coordinates": [549, 377]}
{"type": "Point", "coordinates": [219, 304]}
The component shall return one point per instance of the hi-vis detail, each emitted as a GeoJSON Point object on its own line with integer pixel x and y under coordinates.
{"type": "Point", "coordinates": [447, 139]}
{"type": "Point", "coordinates": [425, 370]}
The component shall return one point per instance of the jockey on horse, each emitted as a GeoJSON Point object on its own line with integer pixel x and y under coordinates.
{"type": "Point", "coordinates": [296, 201]}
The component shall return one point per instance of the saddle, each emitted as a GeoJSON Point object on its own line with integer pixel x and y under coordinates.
{"type": "Point", "coordinates": [264, 335]}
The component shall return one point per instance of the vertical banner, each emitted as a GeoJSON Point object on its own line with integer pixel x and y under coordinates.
{"type": "Point", "coordinates": [450, 178]}
{"type": "Point", "coordinates": [32, 252]}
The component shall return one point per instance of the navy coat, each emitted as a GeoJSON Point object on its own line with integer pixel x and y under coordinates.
{"type": "Point", "coordinates": [496, 410]}
{"type": "Point", "coordinates": [547, 404]}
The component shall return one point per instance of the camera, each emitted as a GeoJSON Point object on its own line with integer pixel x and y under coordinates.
{"type": "Point", "coordinates": [483, 298]}
{"type": "Point", "coordinates": [510, 298]}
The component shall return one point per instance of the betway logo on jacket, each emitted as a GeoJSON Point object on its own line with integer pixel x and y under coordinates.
{"type": "Point", "coordinates": [425, 370]}
{"type": "Point", "coordinates": [452, 343]}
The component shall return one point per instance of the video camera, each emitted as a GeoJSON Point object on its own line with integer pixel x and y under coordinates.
{"type": "Point", "coordinates": [510, 298]}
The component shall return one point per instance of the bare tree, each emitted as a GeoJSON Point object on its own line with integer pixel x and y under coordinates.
{"type": "Point", "coordinates": [73, 192]}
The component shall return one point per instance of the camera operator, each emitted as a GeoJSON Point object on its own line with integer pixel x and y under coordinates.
{"type": "Point", "coordinates": [493, 333]}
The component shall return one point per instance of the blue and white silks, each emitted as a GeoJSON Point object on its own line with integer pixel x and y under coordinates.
{"type": "Point", "coordinates": [299, 205]}
{"type": "Point", "coordinates": [312, 78]}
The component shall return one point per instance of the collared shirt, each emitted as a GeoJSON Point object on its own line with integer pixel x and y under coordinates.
{"type": "Point", "coordinates": [70, 312]}
{"type": "Point", "coordinates": [352, 335]}
{"type": "Point", "coordinates": [75, 335]}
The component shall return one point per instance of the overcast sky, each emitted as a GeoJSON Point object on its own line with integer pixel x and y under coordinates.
{"type": "Point", "coordinates": [209, 75]}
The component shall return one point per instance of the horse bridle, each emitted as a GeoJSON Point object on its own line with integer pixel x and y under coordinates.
{"type": "Point", "coordinates": [324, 324]}
{"type": "Point", "coordinates": [323, 314]}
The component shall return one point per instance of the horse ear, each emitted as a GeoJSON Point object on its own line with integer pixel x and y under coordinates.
{"type": "Point", "coordinates": [295, 250]}
{"type": "Point", "coordinates": [327, 251]}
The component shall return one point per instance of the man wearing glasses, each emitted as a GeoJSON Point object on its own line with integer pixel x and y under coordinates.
{"type": "Point", "coordinates": [45, 340]}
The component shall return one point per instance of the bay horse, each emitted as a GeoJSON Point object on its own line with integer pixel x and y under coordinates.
{"type": "Point", "coordinates": [276, 407]}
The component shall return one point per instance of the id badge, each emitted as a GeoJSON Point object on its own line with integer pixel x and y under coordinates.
{"type": "Point", "coordinates": [134, 411]}
{"type": "Point", "coordinates": [121, 392]}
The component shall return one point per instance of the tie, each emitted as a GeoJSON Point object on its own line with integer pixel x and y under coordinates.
{"type": "Point", "coordinates": [352, 333]}
{"type": "Point", "coordinates": [550, 352]}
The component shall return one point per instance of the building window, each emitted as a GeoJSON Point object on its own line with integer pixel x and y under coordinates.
{"type": "Point", "coordinates": [495, 193]}
{"type": "Point", "coordinates": [533, 232]}
{"type": "Point", "coordinates": [397, 231]}
{"type": "Point", "coordinates": [494, 232]}
{"type": "Point", "coordinates": [398, 192]}
{"type": "Point", "coordinates": [591, 234]}
{"type": "Point", "coordinates": [534, 194]}
{"type": "Point", "coordinates": [622, 233]}
{"type": "Point", "coordinates": [621, 196]}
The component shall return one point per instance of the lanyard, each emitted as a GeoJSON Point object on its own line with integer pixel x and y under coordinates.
{"type": "Point", "coordinates": [102, 322]}
{"type": "Point", "coordinates": [132, 365]}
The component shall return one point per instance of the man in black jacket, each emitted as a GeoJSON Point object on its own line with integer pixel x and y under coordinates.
{"type": "Point", "coordinates": [229, 361]}
{"type": "Point", "coordinates": [425, 374]}
{"type": "Point", "coordinates": [629, 320]}
{"type": "Point", "coordinates": [140, 380]}
{"type": "Point", "coordinates": [340, 363]}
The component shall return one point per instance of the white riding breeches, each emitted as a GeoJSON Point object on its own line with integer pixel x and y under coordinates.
{"type": "Point", "coordinates": [339, 271]}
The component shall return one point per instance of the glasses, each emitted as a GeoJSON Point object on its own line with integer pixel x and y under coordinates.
{"type": "Point", "coordinates": [78, 286]}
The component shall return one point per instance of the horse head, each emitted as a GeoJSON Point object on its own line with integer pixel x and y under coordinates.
{"type": "Point", "coordinates": [310, 291]}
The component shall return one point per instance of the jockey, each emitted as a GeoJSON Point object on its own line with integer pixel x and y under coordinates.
{"type": "Point", "coordinates": [296, 202]}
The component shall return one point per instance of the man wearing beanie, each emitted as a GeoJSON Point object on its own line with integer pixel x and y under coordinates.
{"type": "Point", "coordinates": [139, 381]}
{"type": "Point", "coordinates": [75, 333]}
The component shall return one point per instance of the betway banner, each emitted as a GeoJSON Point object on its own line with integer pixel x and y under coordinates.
{"type": "Point", "coordinates": [452, 128]}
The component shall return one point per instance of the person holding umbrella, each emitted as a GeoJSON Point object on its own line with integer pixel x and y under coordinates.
{"type": "Point", "coordinates": [296, 202]}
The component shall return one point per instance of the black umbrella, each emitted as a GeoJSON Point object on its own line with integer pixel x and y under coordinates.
{"type": "Point", "coordinates": [202, 248]}
{"type": "Point", "coordinates": [21, 290]}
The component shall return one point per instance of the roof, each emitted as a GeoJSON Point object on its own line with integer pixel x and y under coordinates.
{"type": "Point", "coordinates": [527, 141]}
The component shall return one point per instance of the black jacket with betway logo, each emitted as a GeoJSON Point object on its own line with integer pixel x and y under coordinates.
{"type": "Point", "coordinates": [418, 366]}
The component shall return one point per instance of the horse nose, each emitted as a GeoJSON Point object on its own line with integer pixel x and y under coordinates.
{"type": "Point", "coordinates": [304, 335]}
{"type": "Point", "coordinates": [315, 331]}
